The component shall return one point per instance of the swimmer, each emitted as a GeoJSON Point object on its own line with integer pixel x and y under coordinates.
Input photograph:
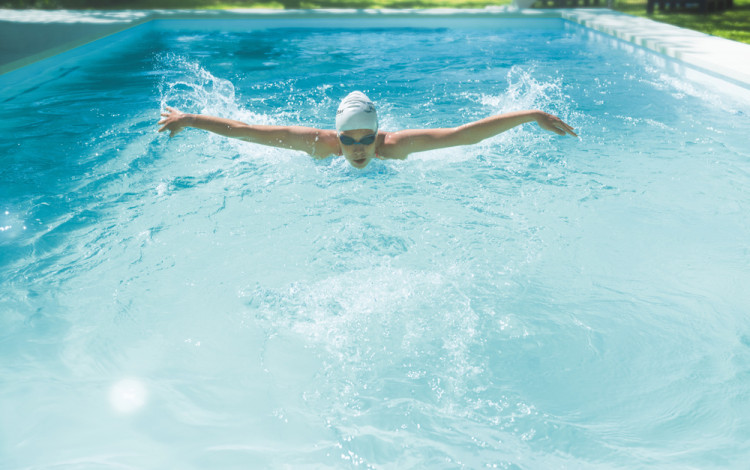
{"type": "Point", "coordinates": [357, 136]}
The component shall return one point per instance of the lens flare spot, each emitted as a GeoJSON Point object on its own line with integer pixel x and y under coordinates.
{"type": "Point", "coordinates": [128, 395]}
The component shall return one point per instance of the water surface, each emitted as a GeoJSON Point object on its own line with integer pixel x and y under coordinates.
{"type": "Point", "coordinates": [528, 302]}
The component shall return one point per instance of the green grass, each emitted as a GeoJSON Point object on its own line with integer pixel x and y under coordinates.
{"type": "Point", "coordinates": [731, 24]}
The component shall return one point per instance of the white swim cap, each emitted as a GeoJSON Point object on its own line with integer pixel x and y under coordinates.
{"type": "Point", "coordinates": [356, 111]}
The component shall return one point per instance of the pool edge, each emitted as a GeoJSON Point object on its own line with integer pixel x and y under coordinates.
{"type": "Point", "coordinates": [715, 56]}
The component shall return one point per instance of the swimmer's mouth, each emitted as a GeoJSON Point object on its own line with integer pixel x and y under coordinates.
{"type": "Point", "coordinates": [360, 161]}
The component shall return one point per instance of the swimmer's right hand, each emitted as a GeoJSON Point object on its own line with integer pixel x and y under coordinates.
{"type": "Point", "coordinates": [554, 124]}
{"type": "Point", "coordinates": [173, 121]}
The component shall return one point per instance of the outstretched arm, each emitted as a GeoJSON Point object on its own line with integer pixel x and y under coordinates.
{"type": "Point", "coordinates": [317, 142]}
{"type": "Point", "coordinates": [400, 144]}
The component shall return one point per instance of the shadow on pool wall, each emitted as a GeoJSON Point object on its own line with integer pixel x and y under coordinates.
{"type": "Point", "coordinates": [202, 302]}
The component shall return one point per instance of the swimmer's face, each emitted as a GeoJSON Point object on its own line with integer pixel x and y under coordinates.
{"type": "Point", "coordinates": [356, 152]}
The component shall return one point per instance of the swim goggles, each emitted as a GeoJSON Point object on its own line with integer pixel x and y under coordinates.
{"type": "Point", "coordinates": [366, 140]}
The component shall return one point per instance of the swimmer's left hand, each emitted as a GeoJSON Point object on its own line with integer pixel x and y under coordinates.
{"type": "Point", "coordinates": [173, 121]}
{"type": "Point", "coordinates": [554, 124]}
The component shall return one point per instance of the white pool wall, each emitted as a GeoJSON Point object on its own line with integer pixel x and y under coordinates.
{"type": "Point", "coordinates": [27, 36]}
{"type": "Point", "coordinates": [720, 57]}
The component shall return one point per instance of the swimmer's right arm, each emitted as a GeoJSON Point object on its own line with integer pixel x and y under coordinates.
{"type": "Point", "coordinates": [317, 142]}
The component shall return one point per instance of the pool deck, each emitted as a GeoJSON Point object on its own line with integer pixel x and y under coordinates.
{"type": "Point", "coordinates": [27, 36]}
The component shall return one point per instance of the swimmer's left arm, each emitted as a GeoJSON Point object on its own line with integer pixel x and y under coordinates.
{"type": "Point", "coordinates": [316, 142]}
{"type": "Point", "coordinates": [402, 143]}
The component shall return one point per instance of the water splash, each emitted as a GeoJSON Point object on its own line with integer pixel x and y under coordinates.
{"type": "Point", "coordinates": [188, 86]}
{"type": "Point", "coordinates": [525, 90]}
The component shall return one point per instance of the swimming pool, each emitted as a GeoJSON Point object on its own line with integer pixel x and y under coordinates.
{"type": "Point", "coordinates": [528, 302]}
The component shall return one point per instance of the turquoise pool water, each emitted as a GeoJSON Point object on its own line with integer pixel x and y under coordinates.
{"type": "Point", "coordinates": [528, 302]}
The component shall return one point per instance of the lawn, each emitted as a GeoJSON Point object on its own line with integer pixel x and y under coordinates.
{"type": "Point", "coordinates": [731, 24]}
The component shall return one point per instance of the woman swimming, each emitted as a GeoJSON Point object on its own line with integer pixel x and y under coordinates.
{"type": "Point", "coordinates": [357, 136]}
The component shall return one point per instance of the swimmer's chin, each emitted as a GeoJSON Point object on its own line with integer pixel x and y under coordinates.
{"type": "Point", "coordinates": [360, 163]}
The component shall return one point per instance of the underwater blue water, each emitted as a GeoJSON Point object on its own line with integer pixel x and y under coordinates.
{"type": "Point", "coordinates": [530, 302]}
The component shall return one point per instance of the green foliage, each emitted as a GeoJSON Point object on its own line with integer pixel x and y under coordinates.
{"type": "Point", "coordinates": [218, 4]}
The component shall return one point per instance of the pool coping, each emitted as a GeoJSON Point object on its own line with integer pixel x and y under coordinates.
{"type": "Point", "coordinates": [712, 55]}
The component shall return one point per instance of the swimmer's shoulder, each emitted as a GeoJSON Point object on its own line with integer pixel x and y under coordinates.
{"type": "Point", "coordinates": [326, 144]}
{"type": "Point", "coordinates": [389, 148]}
